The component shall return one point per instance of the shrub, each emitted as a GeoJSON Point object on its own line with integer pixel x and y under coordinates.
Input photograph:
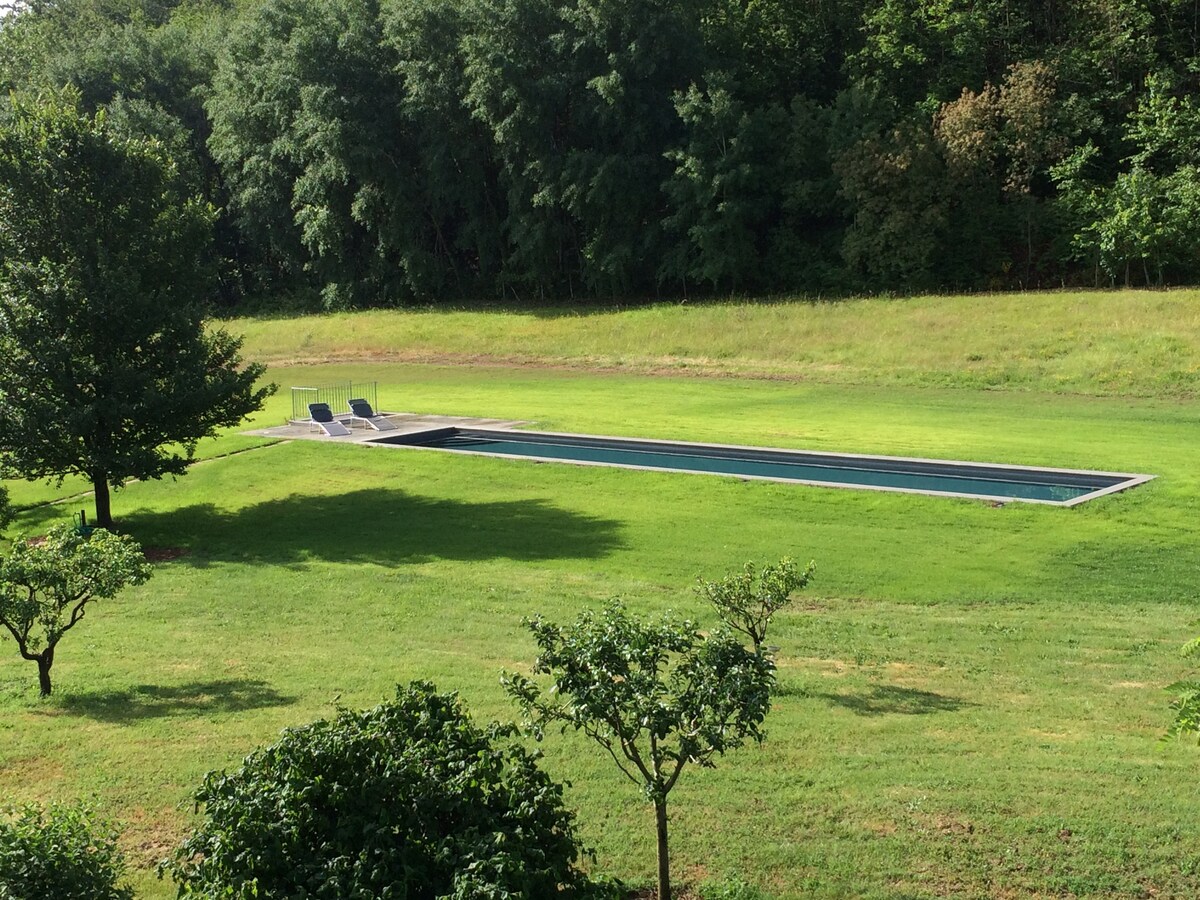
{"type": "Point", "coordinates": [407, 800]}
{"type": "Point", "coordinates": [61, 852]}
{"type": "Point", "coordinates": [1187, 698]}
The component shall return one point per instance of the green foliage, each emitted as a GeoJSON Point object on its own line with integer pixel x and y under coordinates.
{"type": "Point", "coordinates": [153, 58]}
{"type": "Point", "coordinates": [62, 853]}
{"type": "Point", "coordinates": [408, 799]}
{"type": "Point", "coordinates": [655, 695]}
{"type": "Point", "coordinates": [377, 153]}
{"type": "Point", "coordinates": [1143, 226]}
{"type": "Point", "coordinates": [746, 601]}
{"type": "Point", "coordinates": [722, 190]}
{"type": "Point", "coordinates": [1187, 699]}
{"type": "Point", "coordinates": [104, 280]}
{"type": "Point", "coordinates": [897, 184]}
{"type": "Point", "coordinates": [46, 586]}
{"type": "Point", "coordinates": [730, 889]}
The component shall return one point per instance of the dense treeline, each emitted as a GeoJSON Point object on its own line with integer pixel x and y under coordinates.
{"type": "Point", "coordinates": [369, 152]}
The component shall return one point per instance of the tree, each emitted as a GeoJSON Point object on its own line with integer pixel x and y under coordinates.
{"type": "Point", "coordinates": [1146, 221]}
{"type": "Point", "coordinates": [61, 852]}
{"type": "Point", "coordinates": [724, 187]}
{"type": "Point", "coordinates": [895, 183]}
{"type": "Point", "coordinates": [45, 587]}
{"type": "Point", "coordinates": [409, 799]}
{"type": "Point", "coordinates": [106, 368]}
{"type": "Point", "coordinates": [747, 600]}
{"type": "Point", "coordinates": [655, 695]}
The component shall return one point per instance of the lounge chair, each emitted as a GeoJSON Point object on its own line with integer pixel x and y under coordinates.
{"type": "Point", "coordinates": [322, 416]}
{"type": "Point", "coordinates": [361, 411]}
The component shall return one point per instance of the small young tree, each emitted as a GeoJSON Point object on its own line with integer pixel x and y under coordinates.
{"type": "Point", "coordinates": [45, 588]}
{"type": "Point", "coordinates": [406, 800]}
{"type": "Point", "coordinates": [747, 600]}
{"type": "Point", "coordinates": [655, 695]}
{"type": "Point", "coordinates": [61, 852]}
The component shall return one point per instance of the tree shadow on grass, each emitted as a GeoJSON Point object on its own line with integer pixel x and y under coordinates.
{"type": "Point", "coordinates": [36, 519]}
{"type": "Point", "coordinates": [386, 526]}
{"type": "Point", "coordinates": [151, 701]}
{"type": "Point", "coordinates": [887, 699]}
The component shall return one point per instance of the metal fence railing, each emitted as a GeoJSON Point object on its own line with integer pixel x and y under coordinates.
{"type": "Point", "coordinates": [337, 394]}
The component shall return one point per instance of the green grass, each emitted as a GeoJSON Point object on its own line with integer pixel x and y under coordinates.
{"type": "Point", "coordinates": [1113, 343]}
{"type": "Point", "coordinates": [970, 699]}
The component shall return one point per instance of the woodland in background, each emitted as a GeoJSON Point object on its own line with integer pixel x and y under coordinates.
{"type": "Point", "coordinates": [381, 152]}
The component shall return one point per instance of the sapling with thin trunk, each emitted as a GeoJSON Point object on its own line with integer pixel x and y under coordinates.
{"type": "Point", "coordinates": [656, 695]}
{"type": "Point", "coordinates": [46, 587]}
{"type": "Point", "coordinates": [747, 600]}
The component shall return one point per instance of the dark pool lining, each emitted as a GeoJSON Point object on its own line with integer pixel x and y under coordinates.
{"type": "Point", "coordinates": [1097, 483]}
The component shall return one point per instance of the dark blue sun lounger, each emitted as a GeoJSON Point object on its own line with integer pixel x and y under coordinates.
{"type": "Point", "coordinates": [361, 411]}
{"type": "Point", "coordinates": [322, 416]}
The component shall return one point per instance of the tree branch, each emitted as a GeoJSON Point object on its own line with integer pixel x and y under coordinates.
{"type": "Point", "coordinates": [607, 745]}
{"type": "Point", "coordinates": [76, 613]}
{"type": "Point", "coordinates": [679, 764]}
{"type": "Point", "coordinates": [22, 640]}
{"type": "Point", "coordinates": [629, 748]}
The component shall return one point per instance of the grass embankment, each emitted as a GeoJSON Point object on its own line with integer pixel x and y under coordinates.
{"type": "Point", "coordinates": [1112, 343]}
{"type": "Point", "coordinates": [970, 696]}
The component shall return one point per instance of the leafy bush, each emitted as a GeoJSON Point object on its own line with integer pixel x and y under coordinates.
{"type": "Point", "coordinates": [407, 800]}
{"type": "Point", "coordinates": [1187, 699]}
{"type": "Point", "coordinates": [62, 852]}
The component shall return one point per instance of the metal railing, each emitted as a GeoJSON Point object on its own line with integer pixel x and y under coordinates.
{"type": "Point", "coordinates": [337, 394]}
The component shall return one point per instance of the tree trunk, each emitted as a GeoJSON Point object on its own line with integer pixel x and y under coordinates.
{"type": "Point", "coordinates": [664, 859]}
{"type": "Point", "coordinates": [103, 504]}
{"type": "Point", "coordinates": [45, 661]}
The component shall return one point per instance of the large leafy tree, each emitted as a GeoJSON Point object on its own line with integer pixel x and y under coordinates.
{"type": "Point", "coordinates": [106, 368]}
{"type": "Point", "coordinates": [148, 62]}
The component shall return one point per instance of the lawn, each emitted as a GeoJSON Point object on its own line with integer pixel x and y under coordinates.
{"type": "Point", "coordinates": [970, 696]}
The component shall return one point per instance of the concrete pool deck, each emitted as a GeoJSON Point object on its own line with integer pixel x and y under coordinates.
{"type": "Point", "coordinates": [406, 423]}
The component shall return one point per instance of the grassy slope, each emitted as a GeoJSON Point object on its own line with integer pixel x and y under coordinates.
{"type": "Point", "coordinates": [970, 696]}
{"type": "Point", "coordinates": [1115, 343]}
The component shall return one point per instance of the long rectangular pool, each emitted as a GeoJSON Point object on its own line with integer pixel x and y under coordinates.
{"type": "Point", "coordinates": [1061, 487]}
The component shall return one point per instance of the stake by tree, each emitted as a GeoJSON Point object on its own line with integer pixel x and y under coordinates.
{"type": "Point", "coordinates": [655, 695]}
{"type": "Point", "coordinates": [106, 369]}
{"type": "Point", "coordinates": [45, 588]}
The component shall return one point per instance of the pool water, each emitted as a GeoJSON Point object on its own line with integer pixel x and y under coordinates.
{"type": "Point", "coordinates": [880, 473]}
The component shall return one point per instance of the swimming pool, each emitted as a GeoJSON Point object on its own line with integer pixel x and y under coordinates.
{"type": "Point", "coordinates": [985, 481]}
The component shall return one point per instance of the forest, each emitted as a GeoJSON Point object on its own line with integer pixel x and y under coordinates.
{"type": "Point", "coordinates": [373, 153]}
